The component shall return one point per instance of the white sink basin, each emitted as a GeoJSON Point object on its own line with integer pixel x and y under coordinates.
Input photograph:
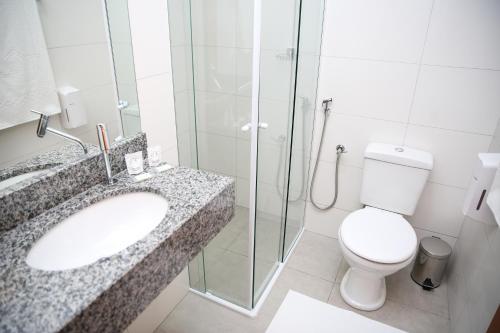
{"type": "Point", "coordinates": [98, 231]}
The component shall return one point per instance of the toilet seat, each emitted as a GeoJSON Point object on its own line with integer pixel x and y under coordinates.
{"type": "Point", "coordinates": [378, 235]}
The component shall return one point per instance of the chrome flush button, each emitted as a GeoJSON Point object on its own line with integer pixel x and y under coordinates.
{"type": "Point", "coordinates": [399, 149]}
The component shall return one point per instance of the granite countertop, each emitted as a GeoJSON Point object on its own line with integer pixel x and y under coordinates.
{"type": "Point", "coordinates": [67, 172]}
{"type": "Point", "coordinates": [108, 295]}
{"type": "Point", "coordinates": [50, 162]}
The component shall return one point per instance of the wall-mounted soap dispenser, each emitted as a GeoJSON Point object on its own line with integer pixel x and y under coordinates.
{"type": "Point", "coordinates": [73, 113]}
{"type": "Point", "coordinates": [475, 201]}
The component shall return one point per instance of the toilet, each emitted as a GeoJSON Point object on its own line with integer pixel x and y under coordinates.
{"type": "Point", "coordinates": [377, 240]}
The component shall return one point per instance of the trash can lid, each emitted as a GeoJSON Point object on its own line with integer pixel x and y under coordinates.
{"type": "Point", "coordinates": [435, 247]}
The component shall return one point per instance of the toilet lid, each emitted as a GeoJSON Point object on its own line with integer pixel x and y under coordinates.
{"type": "Point", "coordinates": [378, 235]}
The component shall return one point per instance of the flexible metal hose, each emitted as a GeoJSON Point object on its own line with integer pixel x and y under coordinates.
{"type": "Point", "coordinates": [340, 150]}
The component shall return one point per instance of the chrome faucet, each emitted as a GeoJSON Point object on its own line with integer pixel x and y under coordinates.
{"type": "Point", "coordinates": [102, 135]}
{"type": "Point", "coordinates": [42, 129]}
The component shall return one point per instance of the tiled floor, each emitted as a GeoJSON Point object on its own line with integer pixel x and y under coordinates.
{"type": "Point", "coordinates": [316, 269]}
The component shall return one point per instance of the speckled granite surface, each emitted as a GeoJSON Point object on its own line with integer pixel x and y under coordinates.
{"type": "Point", "coordinates": [108, 295]}
{"type": "Point", "coordinates": [71, 173]}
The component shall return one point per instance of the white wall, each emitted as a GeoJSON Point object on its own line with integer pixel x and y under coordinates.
{"type": "Point", "coordinates": [474, 274]}
{"type": "Point", "coordinates": [425, 74]}
{"type": "Point", "coordinates": [474, 277]}
{"type": "Point", "coordinates": [75, 34]}
{"type": "Point", "coordinates": [151, 46]}
{"type": "Point", "coordinates": [161, 306]}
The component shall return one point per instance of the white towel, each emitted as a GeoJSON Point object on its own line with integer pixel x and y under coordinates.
{"type": "Point", "coordinates": [493, 199]}
{"type": "Point", "coordinates": [26, 79]}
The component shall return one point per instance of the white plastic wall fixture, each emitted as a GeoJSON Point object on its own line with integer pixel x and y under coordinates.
{"type": "Point", "coordinates": [73, 112]}
{"type": "Point", "coordinates": [482, 178]}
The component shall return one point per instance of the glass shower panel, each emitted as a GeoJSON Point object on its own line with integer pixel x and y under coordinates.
{"type": "Point", "coordinates": [221, 49]}
{"type": "Point", "coordinates": [123, 62]}
{"type": "Point", "coordinates": [182, 77]}
{"type": "Point", "coordinates": [212, 49]}
{"type": "Point", "coordinates": [311, 27]}
{"type": "Point", "coordinates": [277, 81]}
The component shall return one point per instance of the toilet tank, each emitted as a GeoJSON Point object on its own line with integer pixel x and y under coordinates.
{"type": "Point", "coordinates": [394, 177]}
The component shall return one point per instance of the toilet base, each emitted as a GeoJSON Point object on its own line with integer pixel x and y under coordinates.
{"type": "Point", "coordinates": [363, 290]}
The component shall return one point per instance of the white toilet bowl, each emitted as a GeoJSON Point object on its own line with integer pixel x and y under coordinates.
{"type": "Point", "coordinates": [375, 243]}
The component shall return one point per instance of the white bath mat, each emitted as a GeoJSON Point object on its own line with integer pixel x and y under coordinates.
{"type": "Point", "coordinates": [300, 313]}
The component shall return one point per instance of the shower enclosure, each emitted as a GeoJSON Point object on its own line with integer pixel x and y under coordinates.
{"type": "Point", "coordinates": [245, 78]}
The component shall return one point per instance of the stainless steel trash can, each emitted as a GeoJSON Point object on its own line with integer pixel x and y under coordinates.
{"type": "Point", "coordinates": [430, 263]}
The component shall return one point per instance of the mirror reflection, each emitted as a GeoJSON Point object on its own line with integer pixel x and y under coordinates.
{"type": "Point", "coordinates": [65, 66]}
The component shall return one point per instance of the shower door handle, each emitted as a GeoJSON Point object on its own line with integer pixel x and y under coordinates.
{"type": "Point", "coordinates": [248, 126]}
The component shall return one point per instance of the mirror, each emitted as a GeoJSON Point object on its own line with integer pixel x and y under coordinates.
{"type": "Point", "coordinates": [70, 60]}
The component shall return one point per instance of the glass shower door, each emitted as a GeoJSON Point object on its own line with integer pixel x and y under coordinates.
{"type": "Point", "coordinates": [278, 59]}
{"type": "Point", "coordinates": [221, 43]}
{"type": "Point", "coordinates": [308, 58]}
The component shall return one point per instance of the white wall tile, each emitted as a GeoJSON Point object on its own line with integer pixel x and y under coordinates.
{"type": "Point", "coordinates": [101, 108]}
{"type": "Point", "coordinates": [178, 17]}
{"type": "Point", "coordinates": [324, 222]}
{"type": "Point", "coordinates": [355, 133]}
{"type": "Point", "coordinates": [440, 209]}
{"type": "Point", "coordinates": [184, 111]}
{"type": "Point", "coordinates": [214, 69]}
{"type": "Point", "coordinates": [217, 153]}
{"type": "Point", "coordinates": [150, 37]}
{"type": "Point", "coordinates": [124, 66]}
{"type": "Point", "coordinates": [385, 30]}
{"type": "Point", "coordinates": [269, 201]}
{"type": "Point", "coordinates": [464, 33]}
{"type": "Point", "coordinates": [495, 141]}
{"type": "Point", "coordinates": [421, 233]}
{"type": "Point", "coordinates": [456, 98]}
{"type": "Point", "coordinates": [242, 192]}
{"type": "Point", "coordinates": [275, 76]}
{"type": "Point", "coordinates": [455, 153]}
{"type": "Point", "coordinates": [72, 22]}
{"type": "Point", "coordinates": [186, 144]}
{"type": "Point", "coordinates": [244, 72]}
{"type": "Point", "coordinates": [278, 25]}
{"type": "Point", "coordinates": [213, 22]}
{"type": "Point", "coordinates": [157, 110]}
{"type": "Point", "coordinates": [82, 66]}
{"type": "Point", "coordinates": [268, 164]}
{"type": "Point", "coordinates": [244, 28]}
{"type": "Point", "coordinates": [474, 276]}
{"type": "Point", "coordinates": [368, 88]}
{"type": "Point", "coordinates": [483, 289]}
{"type": "Point", "coordinates": [215, 113]}
{"type": "Point", "coordinates": [182, 70]}
{"type": "Point", "coordinates": [170, 156]}
{"type": "Point", "coordinates": [349, 185]}
{"type": "Point", "coordinates": [310, 31]}
{"type": "Point", "coordinates": [243, 158]}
